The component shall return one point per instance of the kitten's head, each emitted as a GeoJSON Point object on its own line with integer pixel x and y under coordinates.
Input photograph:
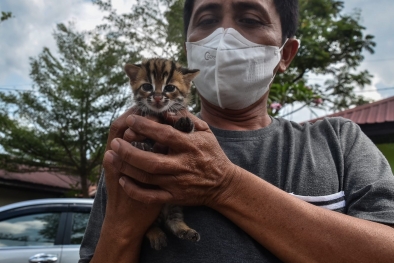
{"type": "Point", "coordinates": [160, 85]}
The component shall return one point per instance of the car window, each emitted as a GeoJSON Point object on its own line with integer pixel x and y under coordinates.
{"type": "Point", "coordinates": [79, 223]}
{"type": "Point", "coordinates": [29, 230]}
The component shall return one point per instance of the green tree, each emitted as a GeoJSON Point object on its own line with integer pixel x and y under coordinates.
{"type": "Point", "coordinates": [62, 124]}
{"type": "Point", "coordinates": [332, 44]}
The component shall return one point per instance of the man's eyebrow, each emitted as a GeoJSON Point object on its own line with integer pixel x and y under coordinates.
{"type": "Point", "coordinates": [207, 7]}
{"type": "Point", "coordinates": [242, 6]}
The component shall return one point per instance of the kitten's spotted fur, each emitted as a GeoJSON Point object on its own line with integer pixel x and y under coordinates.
{"type": "Point", "coordinates": [161, 85]}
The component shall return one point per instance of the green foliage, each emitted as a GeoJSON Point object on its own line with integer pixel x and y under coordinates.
{"type": "Point", "coordinates": [62, 124]}
{"type": "Point", "coordinates": [5, 16]}
{"type": "Point", "coordinates": [144, 28]}
{"type": "Point", "coordinates": [331, 45]}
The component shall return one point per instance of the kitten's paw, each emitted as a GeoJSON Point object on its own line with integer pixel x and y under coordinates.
{"type": "Point", "coordinates": [159, 241]}
{"type": "Point", "coordinates": [184, 124]}
{"type": "Point", "coordinates": [189, 234]}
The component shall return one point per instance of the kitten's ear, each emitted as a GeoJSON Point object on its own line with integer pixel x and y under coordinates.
{"type": "Point", "coordinates": [189, 74]}
{"type": "Point", "coordinates": [132, 71]}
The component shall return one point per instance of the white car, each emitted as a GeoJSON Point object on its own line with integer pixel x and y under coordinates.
{"type": "Point", "coordinates": [44, 230]}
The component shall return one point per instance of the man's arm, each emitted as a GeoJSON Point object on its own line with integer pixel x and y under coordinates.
{"type": "Point", "coordinates": [296, 231]}
{"type": "Point", "coordinates": [293, 230]}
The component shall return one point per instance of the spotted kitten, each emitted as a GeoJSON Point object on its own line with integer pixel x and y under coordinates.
{"type": "Point", "coordinates": [159, 86]}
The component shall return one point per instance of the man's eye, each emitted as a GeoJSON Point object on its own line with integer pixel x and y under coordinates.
{"type": "Point", "coordinates": [252, 22]}
{"type": "Point", "coordinates": [169, 88]}
{"type": "Point", "coordinates": [147, 87]}
{"type": "Point", "coordinates": [206, 22]}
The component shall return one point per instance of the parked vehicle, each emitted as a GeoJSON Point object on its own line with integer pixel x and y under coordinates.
{"type": "Point", "coordinates": [44, 230]}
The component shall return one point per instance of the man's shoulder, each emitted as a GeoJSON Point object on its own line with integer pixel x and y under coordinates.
{"type": "Point", "coordinates": [334, 122]}
{"type": "Point", "coordinates": [326, 127]}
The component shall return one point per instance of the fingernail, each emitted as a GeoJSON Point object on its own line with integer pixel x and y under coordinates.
{"type": "Point", "coordinates": [130, 120]}
{"type": "Point", "coordinates": [115, 145]}
{"type": "Point", "coordinates": [122, 181]}
{"type": "Point", "coordinates": [109, 156]}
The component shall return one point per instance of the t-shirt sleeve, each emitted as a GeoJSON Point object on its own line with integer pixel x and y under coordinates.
{"type": "Point", "coordinates": [92, 232]}
{"type": "Point", "coordinates": [368, 181]}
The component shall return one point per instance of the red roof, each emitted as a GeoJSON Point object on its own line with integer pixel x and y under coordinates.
{"type": "Point", "coordinates": [41, 178]}
{"type": "Point", "coordinates": [376, 112]}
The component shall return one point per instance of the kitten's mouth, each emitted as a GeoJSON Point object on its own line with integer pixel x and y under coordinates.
{"type": "Point", "coordinates": [158, 105]}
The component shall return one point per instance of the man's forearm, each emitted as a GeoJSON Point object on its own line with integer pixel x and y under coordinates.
{"type": "Point", "coordinates": [117, 244]}
{"type": "Point", "coordinates": [296, 231]}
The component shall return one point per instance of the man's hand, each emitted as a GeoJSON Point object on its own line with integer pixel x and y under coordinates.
{"type": "Point", "coordinates": [119, 204]}
{"type": "Point", "coordinates": [126, 220]}
{"type": "Point", "coordinates": [194, 172]}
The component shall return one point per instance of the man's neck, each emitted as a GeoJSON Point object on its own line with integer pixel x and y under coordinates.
{"type": "Point", "coordinates": [252, 118]}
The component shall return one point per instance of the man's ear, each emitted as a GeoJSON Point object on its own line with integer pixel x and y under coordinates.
{"type": "Point", "coordinates": [289, 52]}
{"type": "Point", "coordinates": [132, 71]}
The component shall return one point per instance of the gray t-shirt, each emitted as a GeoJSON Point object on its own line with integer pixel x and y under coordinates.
{"type": "Point", "coordinates": [331, 164]}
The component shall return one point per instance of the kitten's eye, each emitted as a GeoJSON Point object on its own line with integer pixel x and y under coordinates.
{"type": "Point", "coordinates": [147, 87]}
{"type": "Point", "coordinates": [169, 88]}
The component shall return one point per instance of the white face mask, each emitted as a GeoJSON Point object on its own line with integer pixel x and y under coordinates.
{"type": "Point", "coordinates": [234, 72]}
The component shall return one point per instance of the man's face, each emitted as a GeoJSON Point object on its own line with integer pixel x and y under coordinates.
{"type": "Point", "coordinates": [256, 20]}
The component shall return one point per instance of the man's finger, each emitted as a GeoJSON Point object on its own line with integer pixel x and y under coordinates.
{"type": "Point", "coordinates": [118, 127]}
{"type": "Point", "coordinates": [158, 148]}
{"type": "Point", "coordinates": [144, 195]}
{"type": "Point", "coordinates": [161, 133]}
{"type": "Point", "coordinates": [111, 173]}
{"type": "Point", "coordinates": [131, 136]}
{"type": "Point", "coordinates": [139, 175]}
{"type": "Point", "coordinates": [153, 163]}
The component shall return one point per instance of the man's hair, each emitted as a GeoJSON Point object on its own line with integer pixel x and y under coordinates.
{"type": "Point", "coordinates": [287, 9]}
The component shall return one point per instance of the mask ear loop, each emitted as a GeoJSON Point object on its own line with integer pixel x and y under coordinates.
{"type": "Point", "coordinates": [287, 39]}
{"type": "Point", "coordinates": [281, 48]}
{"type": "Point", "coordinates": [276, 53]}
{"type": "Point", "coordinates": [216, 69]}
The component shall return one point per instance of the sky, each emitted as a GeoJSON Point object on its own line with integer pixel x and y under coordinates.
{"type": "Point", "coordinates": [34, 21]}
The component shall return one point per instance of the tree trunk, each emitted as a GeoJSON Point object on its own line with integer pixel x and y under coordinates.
{"type": "Point", "coordinates": [84, 186]}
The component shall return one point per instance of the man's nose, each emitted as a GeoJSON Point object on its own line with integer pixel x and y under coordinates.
{"type": "Point", "coordinates": [228, 22]}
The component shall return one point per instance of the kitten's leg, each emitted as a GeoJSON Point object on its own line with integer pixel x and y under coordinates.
{"type": "Point", "coordinates": [156, 236]}
{"type": "Point", "coordinates": [184, 124]}
{"type": "Point", "coordinates": [174, 221]}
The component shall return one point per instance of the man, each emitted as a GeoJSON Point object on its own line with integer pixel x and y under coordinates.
{"type": "Point", "coordinates": [257, 189]}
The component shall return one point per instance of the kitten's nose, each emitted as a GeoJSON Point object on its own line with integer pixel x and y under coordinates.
{"type": "Point", "coordinates": [157, 97]}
